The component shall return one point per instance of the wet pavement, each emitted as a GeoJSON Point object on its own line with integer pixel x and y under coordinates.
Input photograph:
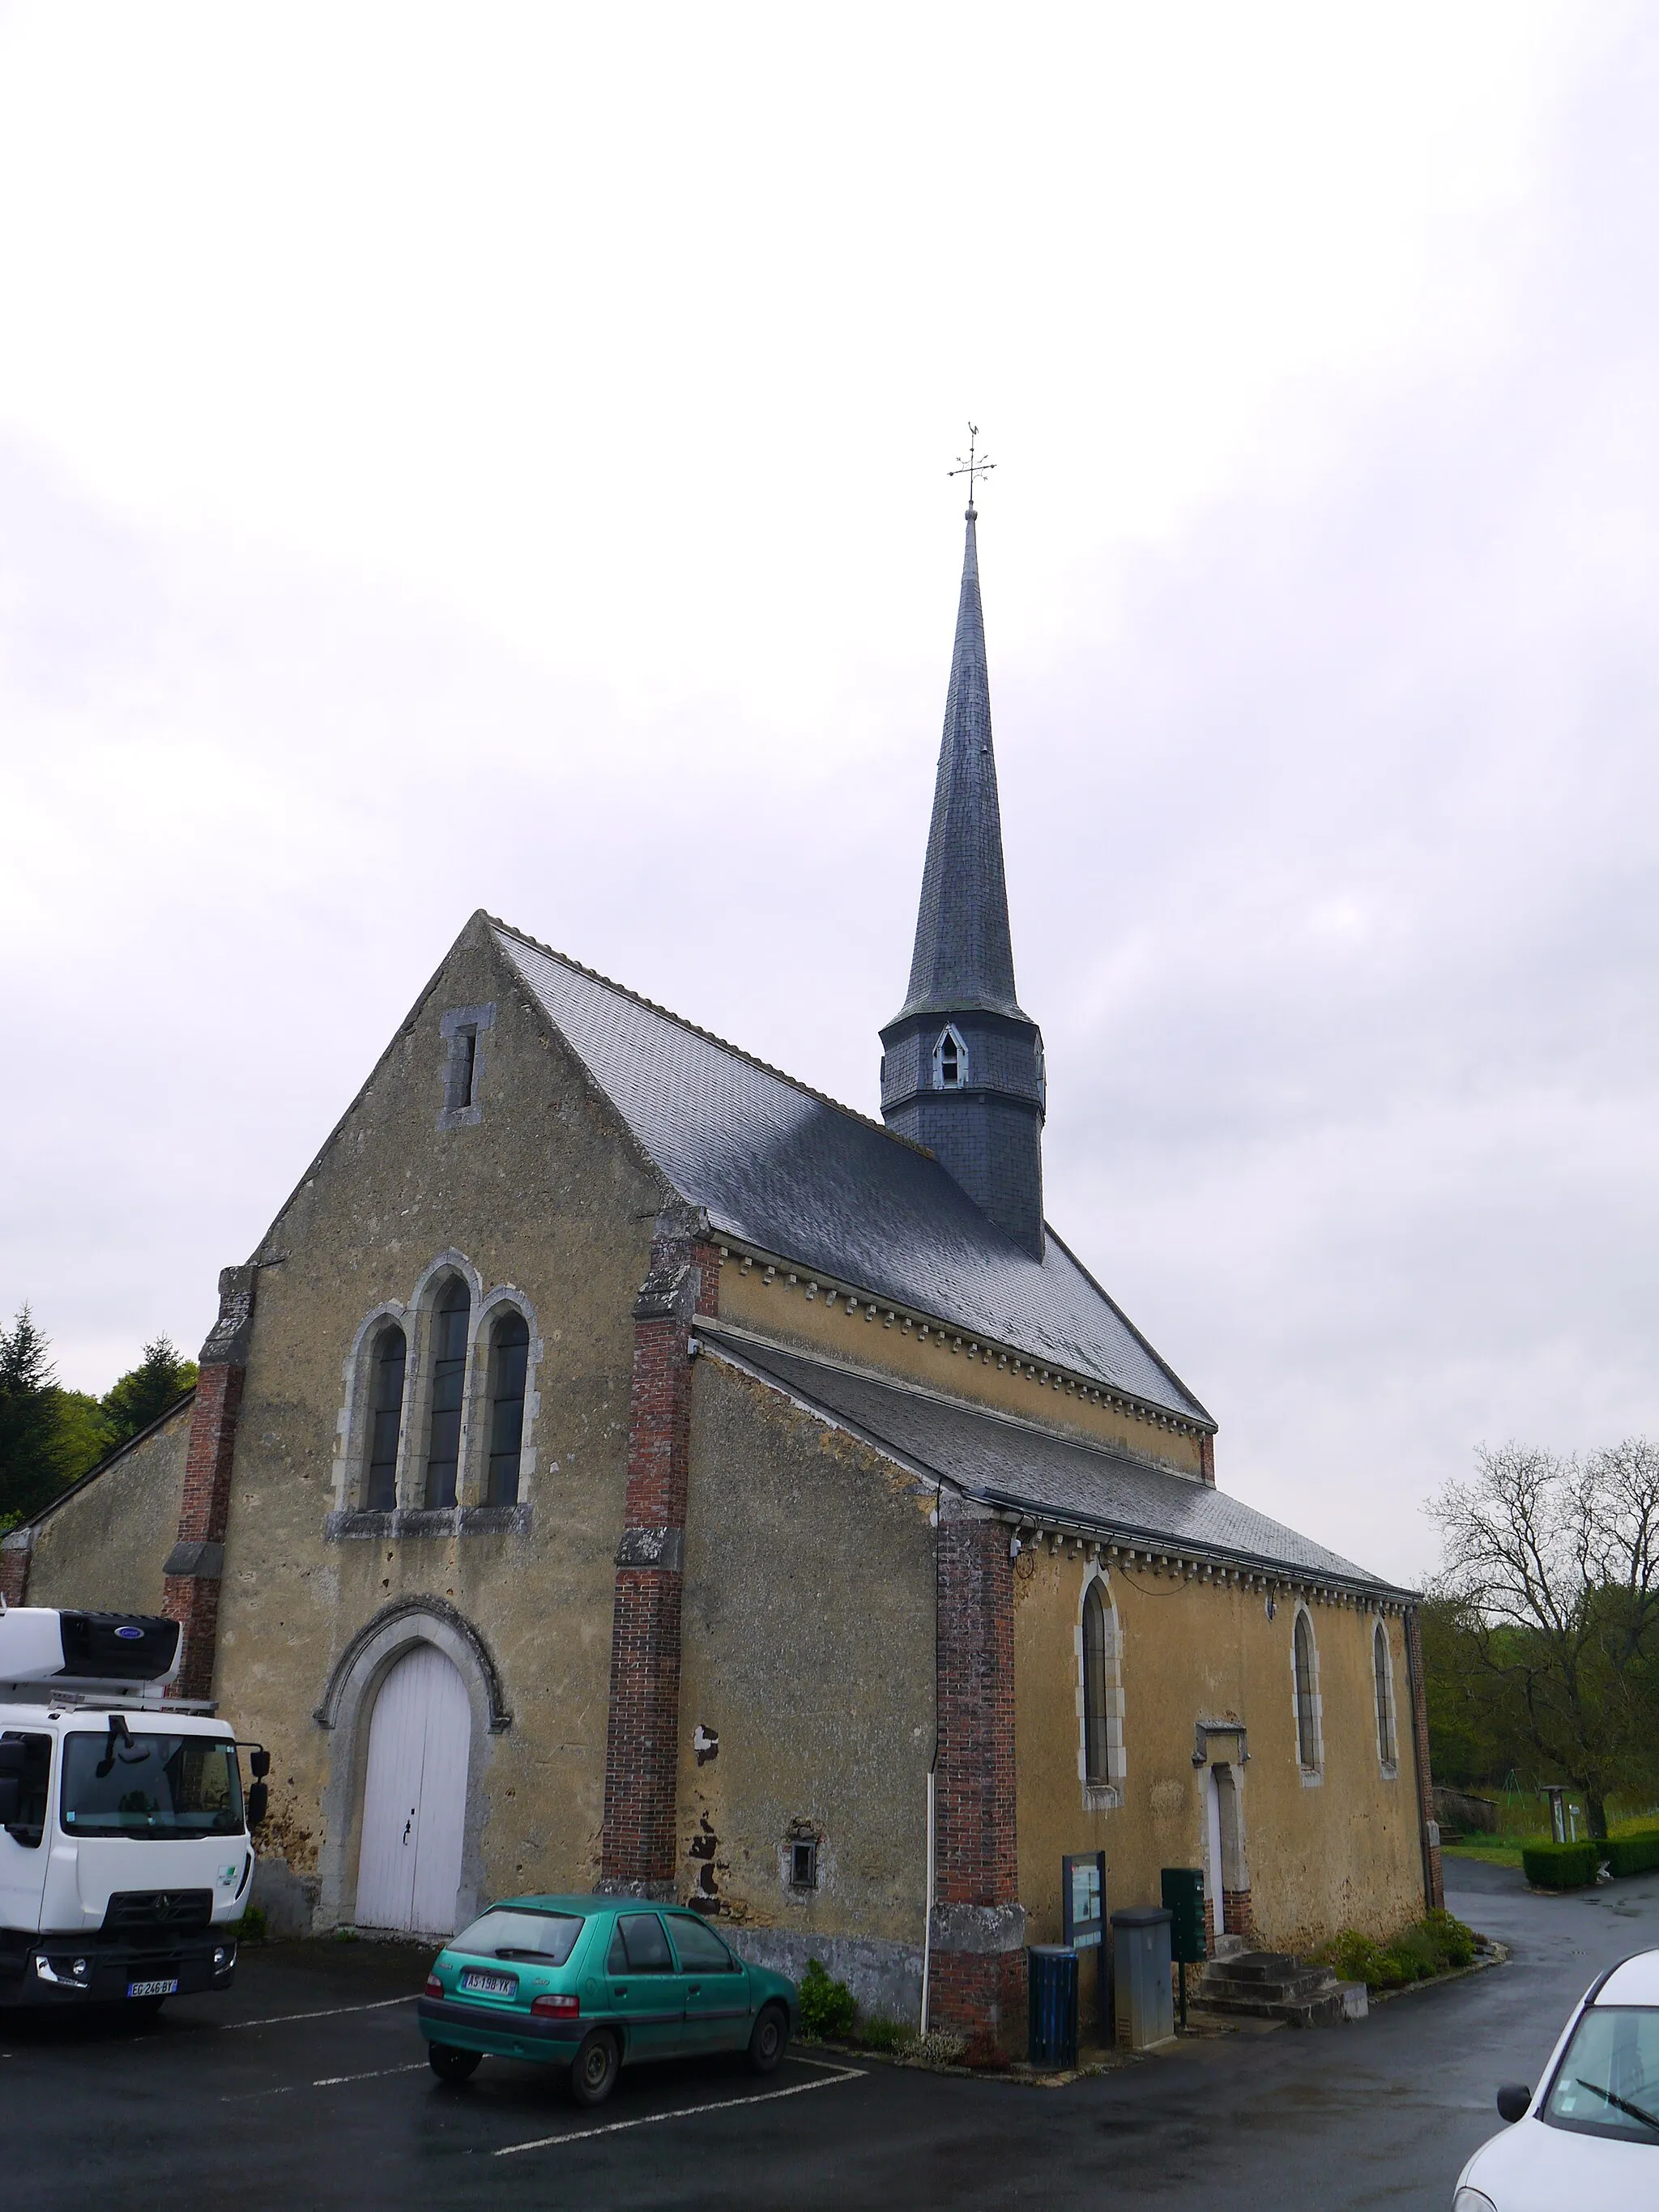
{"type": "Point", "coordinates": [308, 2086]}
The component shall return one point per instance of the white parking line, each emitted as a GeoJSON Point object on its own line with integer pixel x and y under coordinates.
{"type": "Point", "coordinates": [691, 2112]}
{"type": "Point", "coordinates": [327, 2081]}
{"type": "Point", "coordinates": [333, 2012]}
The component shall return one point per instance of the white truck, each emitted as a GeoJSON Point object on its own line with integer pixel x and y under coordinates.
{"type": "Point", "coordinates": [124, 1852]}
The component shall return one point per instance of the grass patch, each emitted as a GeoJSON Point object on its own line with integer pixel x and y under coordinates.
{"type": "Point", "coordinates": [827, 2007]}
{"type": "Point", "coordinates": [252, 1927]}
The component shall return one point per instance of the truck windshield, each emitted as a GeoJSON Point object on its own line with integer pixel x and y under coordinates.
{"type": "Point", "coordinates": [150, 1785]}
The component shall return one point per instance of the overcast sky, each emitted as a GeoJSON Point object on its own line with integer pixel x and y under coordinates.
{"type": "Point", "coordinates": [485, 457]}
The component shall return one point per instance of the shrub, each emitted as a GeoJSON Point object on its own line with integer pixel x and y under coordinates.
{"type": "Point", "coordinates": [827, 2007]}
{"type": "Point", "coordinates": [1433, 1946]}
{"type": "Point", "coordinates": [879, 2034]}
{"type": "Point", "coordinates": [253, 1928]}
{"type": "Point", "coordinates": [1636, 1853]}
{"type": "Point", "coordinates": [1561, 1866]}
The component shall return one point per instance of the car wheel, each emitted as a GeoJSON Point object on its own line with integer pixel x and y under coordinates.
{"type": "Point", "coordinates": [594, 2069]}
{"type": "Point", "coordinates": [770, 2040]}
{"type": "Point", "coordinates": [450, 2065]}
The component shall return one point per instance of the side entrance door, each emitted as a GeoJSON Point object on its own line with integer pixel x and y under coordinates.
{"type": "Point", "coordinates": [409, 1867]}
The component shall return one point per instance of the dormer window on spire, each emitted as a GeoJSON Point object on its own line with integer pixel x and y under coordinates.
{"type": "Point", "coordinates": [950, 1059]}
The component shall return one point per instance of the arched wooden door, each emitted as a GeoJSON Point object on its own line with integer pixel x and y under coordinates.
{"type": "Point", "coordinates": [409, 1867]}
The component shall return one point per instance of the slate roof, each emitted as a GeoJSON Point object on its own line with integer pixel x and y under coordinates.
{"type": "Point", "coordinates": [781, 1168]}
{"type": "Point", "coordinates": [964, 956]}
{"type": "Point", "coordinates": [1007, 1462]}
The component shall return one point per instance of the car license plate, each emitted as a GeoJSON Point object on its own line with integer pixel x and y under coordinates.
{"type": "Point", "coordinates": [154, 1989]}
{"type": "Point", "coordinates": [490, 1985]}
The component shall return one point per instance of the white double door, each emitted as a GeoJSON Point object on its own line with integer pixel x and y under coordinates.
{"type": "Point", "coordinates": [409, 1868]}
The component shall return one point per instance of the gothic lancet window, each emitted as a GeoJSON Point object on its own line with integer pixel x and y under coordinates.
{"type": "Point", "coordinates": [1307, 1704]}
{"type": "Point", "coordinates": [1097, 1660]}
{"type": "Point", "coordinates": [949, 1061]}
{"type": "Point", "coordinates": [1387, 1747]}
{"type": "Point", "coordinates": [443, 1450]}
{"type": "Point", "coordinates": [509, 1359]}
{"type": "Point", "coordinates": [387, 1404]}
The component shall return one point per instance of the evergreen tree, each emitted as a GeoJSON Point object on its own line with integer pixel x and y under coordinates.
{"type": "Point", "coordinates": [31, 1445]}
{"type": "Point", "coordinates": [146, 1391]}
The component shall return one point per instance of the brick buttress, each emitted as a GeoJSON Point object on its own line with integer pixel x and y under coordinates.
{"type": "Point", "coordinates": [638, 1846]}
{"type": "Point", "coordinates": [977, 1980]}
{"type": "Point", "coordinates": [193, 1568]}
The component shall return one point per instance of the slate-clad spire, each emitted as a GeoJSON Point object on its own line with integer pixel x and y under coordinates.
{"type": "Point", "coordinates": [962, 1068]}
{"type": "Point", "coordinates": [964, 955]}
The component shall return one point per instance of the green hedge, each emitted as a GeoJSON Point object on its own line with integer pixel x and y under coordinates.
{"type": "Point", "coordinates": [1560, 1866]}
{"type": "Point", "coordinates": [1637, 1853]}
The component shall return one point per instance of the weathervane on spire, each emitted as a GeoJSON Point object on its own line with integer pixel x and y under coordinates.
{"type": "Point", "coordinates": [972, 467]}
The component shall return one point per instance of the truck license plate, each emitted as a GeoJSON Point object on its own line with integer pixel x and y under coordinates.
{"type": "Point", "coordinates": [489, 1985]}
{"type": "Point", "coordinates": [154, 1989]}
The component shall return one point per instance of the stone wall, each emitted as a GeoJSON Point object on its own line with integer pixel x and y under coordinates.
{"type": "Point", "coordinates": [807, 1707]}
{"type": "Point", "coordinates": [104, 1543]}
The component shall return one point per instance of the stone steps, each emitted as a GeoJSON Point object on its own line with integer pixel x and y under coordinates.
{"type": "Point", "coordinates": [1273, 1986]}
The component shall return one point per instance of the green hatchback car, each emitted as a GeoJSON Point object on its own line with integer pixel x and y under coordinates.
{"type": "Point", "coordinates": [596, 1984]}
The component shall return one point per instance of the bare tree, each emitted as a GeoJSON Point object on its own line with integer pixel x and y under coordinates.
{"type": "Point", "coordinates": [1552, 1567]}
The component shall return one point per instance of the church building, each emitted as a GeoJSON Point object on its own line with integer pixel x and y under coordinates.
{"type": "Point", "coordinates": [621, 1466]}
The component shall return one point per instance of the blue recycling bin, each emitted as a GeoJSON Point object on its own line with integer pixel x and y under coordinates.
{"type": "Point", "coordinates": [1051, 1982]}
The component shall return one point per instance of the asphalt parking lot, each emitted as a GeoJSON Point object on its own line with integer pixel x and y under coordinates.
{"type": "Point", "coordinates": [308, 2085]}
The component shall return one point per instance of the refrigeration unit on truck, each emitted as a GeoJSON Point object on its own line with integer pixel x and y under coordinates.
{"type": "Point", "coordinates": [124, 1852]}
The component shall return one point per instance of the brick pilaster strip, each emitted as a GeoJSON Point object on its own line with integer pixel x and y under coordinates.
{"type": "Point", "coordinates": [190, 1576]}
{"type": "Point", "coordinates": [638, 1842]}
{"type": "Point", "coordinates": [978, 1974]}
{"type": "Point", "coordinates": [1433, 1884]}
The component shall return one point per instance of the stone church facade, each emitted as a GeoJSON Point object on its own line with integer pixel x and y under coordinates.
{"type": "Point", "coordinates": [619, 1466]}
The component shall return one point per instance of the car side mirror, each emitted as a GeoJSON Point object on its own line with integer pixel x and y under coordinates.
{"type": "Point", "coordinates": [11, 1799]}
{"type": "Point", "coordinates": [1514, 2101]}
{"type": "Point", "coordinates": [259, 1762]}
{"type": "Point", "coordinates": [259, 1802]}
{"type": "Point", "coordinates": [11, 1759]}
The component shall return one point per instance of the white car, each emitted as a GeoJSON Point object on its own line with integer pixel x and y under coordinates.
{"type": "Point", "coordinates": [1590, 2135]}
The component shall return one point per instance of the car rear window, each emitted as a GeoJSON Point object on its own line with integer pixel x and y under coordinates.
{"type": "Point", "coordinates": [507, 1931]}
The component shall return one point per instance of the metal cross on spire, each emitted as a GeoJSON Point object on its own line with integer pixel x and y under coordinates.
{"type": "Point", "coordinates": [973, 466]}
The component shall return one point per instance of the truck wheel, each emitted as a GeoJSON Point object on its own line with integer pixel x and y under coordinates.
{"type": "Point", "coordinates": [450, 2065]}
{"type": "Point", "coordinates": [593, 2070]}
{"type": "Point", "coordinates": [769, 2041]}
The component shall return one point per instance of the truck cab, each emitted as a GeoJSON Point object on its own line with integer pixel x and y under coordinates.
{"type": "Point", "coordinates": [124, 1852]}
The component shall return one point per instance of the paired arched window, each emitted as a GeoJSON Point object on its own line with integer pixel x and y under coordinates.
{"type": "Point", "coordinates": [1098, 1667]}
{"type": "Point", "coordinates": [509, 1362]}
{"type": "Point", "coordinates": [950, 1060]}
{"type": "Point", "coordinates": [1307, 1694]}
{"type": "Point", "coordinates": [386, 1401]}
{"type": "Point", "coordinates": [1387, 1749]}
{"type": "Point", "coordinates": [443, 1448]}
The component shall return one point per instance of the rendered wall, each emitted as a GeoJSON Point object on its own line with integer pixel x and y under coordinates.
{"type": "Point", "coordinates": [542, 1193]}
{"type": "Point", "coordinates": [104, 1546]}
{"type": "Point", "coordinates": [780, 1308]}
{"type": "Point", "coordinates": [808, 1656]}
{"type": "Point", "coordinates": [1344, 1852]}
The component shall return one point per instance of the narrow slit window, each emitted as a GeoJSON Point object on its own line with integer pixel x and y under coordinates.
{"type": "Point", "coordinates": [1387, 1747]}
{"type": "Point", "coordinates": [1096, 1742]}
{"type": "Point", "coordinates": [1307, 1716]}
{"type": "Point", "coordinates": [463, 1069]}
{"type": "Point", "coordinates": [803, 1866]}
{"type": "Point", "coordinates": [509, 1359]}
{"type": "Point", "coordinates": [443, 1449]}
{"type": "Point", "coordinates": [391, 1360]}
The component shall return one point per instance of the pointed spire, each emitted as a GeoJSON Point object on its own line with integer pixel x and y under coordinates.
{"type": "Point", "coordinates": [964, 954]}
